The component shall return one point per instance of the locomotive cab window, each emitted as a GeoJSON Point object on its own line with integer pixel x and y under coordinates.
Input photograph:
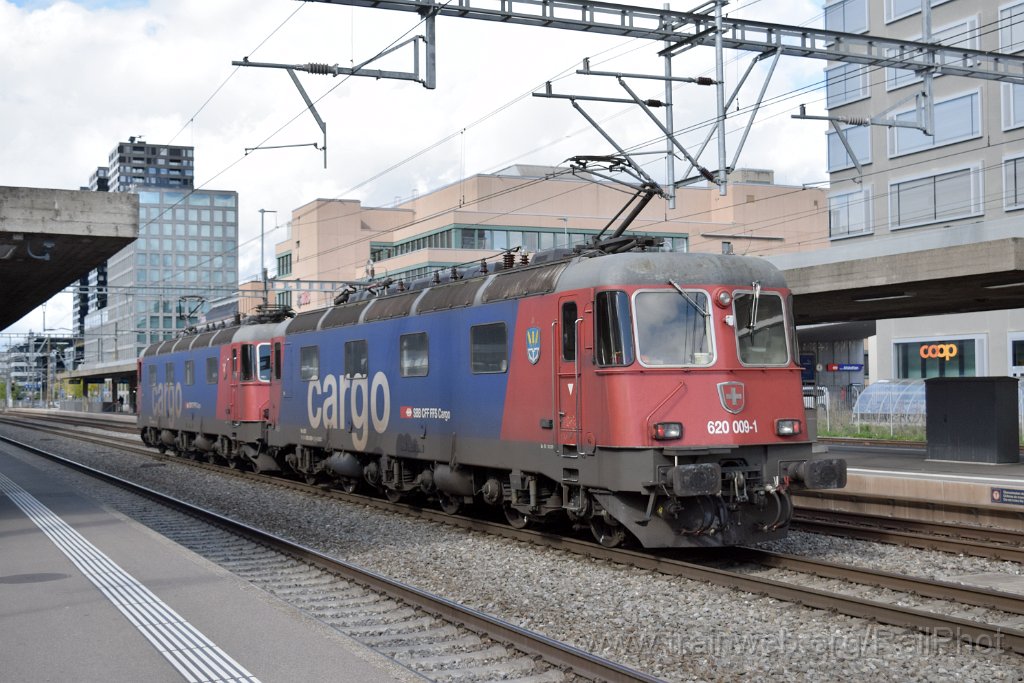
{"type": "Point", "coordinates": [211, 370]}
{"type": "Point", "coordinates": [356, 360]}
{"type": "Point", "coordinates": [152, 375]}
{"type": "Point", "coordinates": [309, 363]}
{"type": "Point", "coordinates": [248, 363]}
{"type": "Point", "coordinates": [488, 348]}
{"type": "Point", "coordinates": [614, 329]}
{"type": "Point", "coordinates": [414, 354]}
{"type": "Point", "coordinates": [190, 373]}
{"type": "Point", "coordinates": [263, 358]}
{"type": "Point", "coordinates": [673, 328]}
{"type": "Point", "coordinates": [761, 332]}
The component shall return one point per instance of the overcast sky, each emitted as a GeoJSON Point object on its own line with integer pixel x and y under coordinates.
{"type": "Point", "coordinates": [78, 77]}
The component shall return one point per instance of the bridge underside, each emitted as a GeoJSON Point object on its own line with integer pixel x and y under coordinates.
{"type": "Point", "coordinates": [51, 238]}
{"type": "Point", "coordinates": [982, 276]}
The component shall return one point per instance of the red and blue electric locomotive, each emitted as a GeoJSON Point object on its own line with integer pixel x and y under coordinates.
{"type": "Point", "coordinates": [644, 394]}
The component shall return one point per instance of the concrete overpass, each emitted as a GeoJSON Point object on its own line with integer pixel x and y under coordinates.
{"type": "Point", "coordinates": [51, 238]}
{"type": "Point", "coordinates": [978, 267]}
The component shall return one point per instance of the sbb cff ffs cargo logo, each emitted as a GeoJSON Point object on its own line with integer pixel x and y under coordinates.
{"type": "Point", "coordinates": [944, 351]}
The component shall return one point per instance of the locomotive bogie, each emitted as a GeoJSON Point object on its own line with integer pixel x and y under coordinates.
{"type": "Point", "coordinates": [643, 395]}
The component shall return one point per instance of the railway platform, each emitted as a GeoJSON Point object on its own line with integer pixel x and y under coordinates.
{"type": "Point", "coordinates": [89, 595]}
{"type": "Point", "coordinates": [902, 482]}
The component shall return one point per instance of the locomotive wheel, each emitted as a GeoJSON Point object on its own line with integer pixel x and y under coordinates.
{"type": "Point", "coordinates": [349, 485]}
{"type": "Point", "coordinates": [516, 519]}
{"type": "Point", "coordinates": [450, 504]}
{"type": "Point", "coordinates": [392, 495]}
{"type": "Point", "coordinates": [610, 534]}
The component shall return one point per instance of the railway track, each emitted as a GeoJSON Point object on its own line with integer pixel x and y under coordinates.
{"type": "Point", "coordinates": [967, 539]}
{"type": "Point", "coordinates": [877, 443]}
{"type": "Point", "coordinates": [994, 544]}
{"type": "Point", "coordinates": [849, 600]}
{"type": "Point", "coordinates": [435, 637]}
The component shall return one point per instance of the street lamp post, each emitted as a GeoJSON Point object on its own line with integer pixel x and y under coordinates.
{"type": "Point", "coordinates": [263, 270]}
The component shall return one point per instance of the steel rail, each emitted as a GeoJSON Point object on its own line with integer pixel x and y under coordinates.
{"type": "Point", "coordinates": [924, 541]}
{"type": "Point", "coordinates": [1012, 603]}
{"type": "Point", "coordinates": [971, 532]}
{"type": "Point", "coordinates": [560, 654]}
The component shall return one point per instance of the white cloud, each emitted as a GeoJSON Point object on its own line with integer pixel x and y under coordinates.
{"type": "Point", "coordinates": [79, 77]}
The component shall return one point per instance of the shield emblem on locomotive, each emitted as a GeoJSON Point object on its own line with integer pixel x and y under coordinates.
{"type": "Point", "coordinates": [733, 396]}
{"type": "Point", "coordinates": [533, 345]}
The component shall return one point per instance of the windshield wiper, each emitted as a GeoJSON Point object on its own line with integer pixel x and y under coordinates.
{"type": "Point", "coordinates": [686, 296]}
{"type": "Point", "coordinates": [753, 309]}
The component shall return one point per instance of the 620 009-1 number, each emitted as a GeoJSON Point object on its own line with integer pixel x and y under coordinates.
{"type": "Point", "coordinates": [732, 426]}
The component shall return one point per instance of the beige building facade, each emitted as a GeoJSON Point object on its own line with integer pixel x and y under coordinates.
{"type": "Point", "coordinates": [332, 241]}
{"type": "Point", "coordinates": [962, 184]}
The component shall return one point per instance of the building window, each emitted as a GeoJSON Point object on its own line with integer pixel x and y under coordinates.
{"type": "Point", "coordinates": [956, 120]}
{"type": "Point", "coordinates": [845, 84]}
{"type": "Point", "coordinates": [414, 354]}
{"type": "Point", "coordinates": [1012, 105]}
{"type": "Point", "coordinates": [1011, 28]}
{"type": "Point", "coordinates": [488, 348]}
{"type": "Point", "coordinates": [935, 198]}
{"type": "Point", "coordinates": [963, 34]}
{"type": "Point", "coordinates": [1016, 349]}
{"type": "Point", "coordinates": [284, 299]}
{"type": "Point", "coordinates": [849, 214]}
{"type": "Point", "coordinates": [859, 138]}
{"type": "Point", "coordinates": [1013, 183]}
{"type": "Point", "coordinates": [284, 265]}
{"type": "Point", "coordinates": [898, 9]}
{"type": "Point", "coordinates": [473, 238]}
{"type": "Point", "coordinates": [848, 16]}
{"type": "Point", "coordinates": [921, 359]}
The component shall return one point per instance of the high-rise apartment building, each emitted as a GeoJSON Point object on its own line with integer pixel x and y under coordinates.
{"type": "Point", "coordinates": [185, 256]}
{"type": "Point", "coordinates": [907, 190]}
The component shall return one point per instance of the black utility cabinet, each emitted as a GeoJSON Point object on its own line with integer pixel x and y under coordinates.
{"type": "Point", "coordinates": [972, 419]}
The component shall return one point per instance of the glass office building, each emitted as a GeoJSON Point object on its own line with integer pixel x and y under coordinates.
{"type": "Point", "coordinates": [186, 255]}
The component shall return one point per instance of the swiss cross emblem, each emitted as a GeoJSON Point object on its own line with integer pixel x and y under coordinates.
{"type": "Point", "coordinates": [732, 395]}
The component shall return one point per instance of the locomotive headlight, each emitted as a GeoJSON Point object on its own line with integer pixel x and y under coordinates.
{"type": "Point", "coordinates": [723, 298]}
{"type": "Point", "coordinates": [665, 431]}
{"type": "Point", "coordinates": [788, 427]}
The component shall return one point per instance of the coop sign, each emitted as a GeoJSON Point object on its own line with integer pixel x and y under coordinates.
{"type": "Point", "coordinates": [944, 351]}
